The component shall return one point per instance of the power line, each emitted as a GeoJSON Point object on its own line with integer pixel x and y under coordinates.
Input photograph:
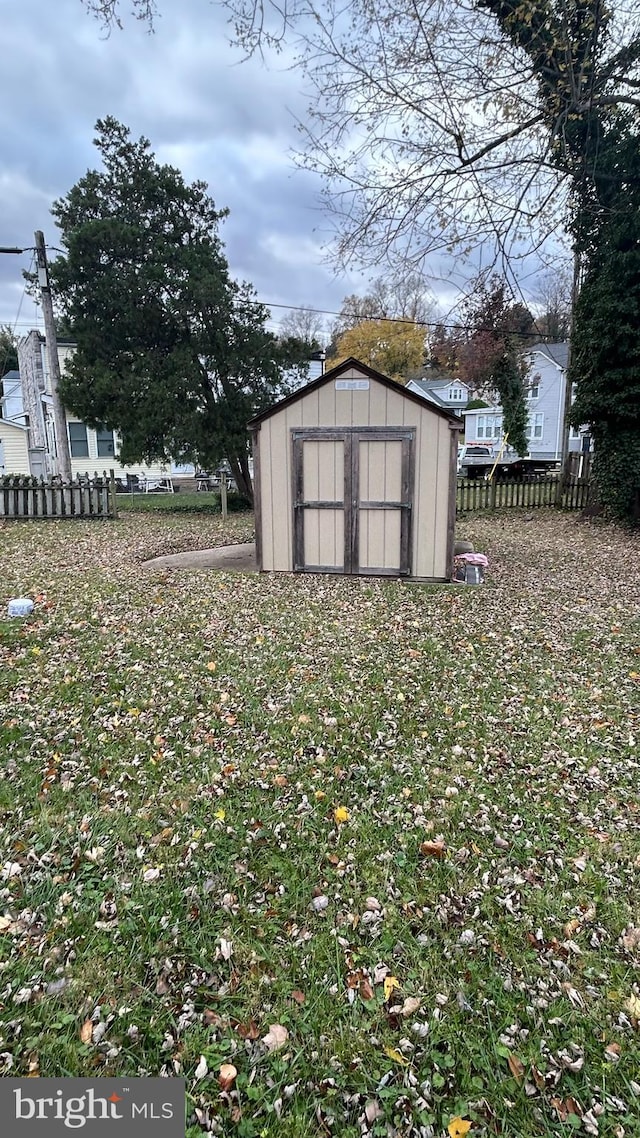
{"type": "Point", "coordinates": [16, 321]}
{"type": "Point", "coordinates": [456, 327]}
{"type": "Point", "coordinates": [399, 320]}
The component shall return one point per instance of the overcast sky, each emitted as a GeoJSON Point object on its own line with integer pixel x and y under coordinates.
{"type": "Point", "coordinates": [228, 122]}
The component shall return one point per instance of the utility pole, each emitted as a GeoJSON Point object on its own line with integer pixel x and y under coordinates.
{"type": "Point", "coordinates": [51, 346]}
{"type": "Point", "coordinates": [563, 481]}
{"type": "Point", "coordinates": [568, 400]}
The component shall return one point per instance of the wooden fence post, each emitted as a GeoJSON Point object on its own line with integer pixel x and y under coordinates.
{"type": "Point", "coordinates": [113, 501]}
{"type": "Point", "coordinates": [223, 494]}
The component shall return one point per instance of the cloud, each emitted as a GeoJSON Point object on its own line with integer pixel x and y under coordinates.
{"type": "Point", "coordinates": [226, 122]}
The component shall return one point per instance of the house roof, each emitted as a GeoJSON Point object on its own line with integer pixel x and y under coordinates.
{"type": "Point", "coordinates": [437, 384]}
{"type": "Point", "coordinates": [557, 353]}
{"type": "Point", "coordinates": [430, 396]}
{"type": "Point", "coordinates": [12, 376]}
{"type": "Point", "coordinates": [335, 372]}
{"type": "Point", "coordinates": [13, 426]}
{"type": "Point", "coordinates": [489, 409]}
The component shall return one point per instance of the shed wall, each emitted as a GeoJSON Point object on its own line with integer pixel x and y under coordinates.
{"type": "Point", "coordinates": [379, 406]}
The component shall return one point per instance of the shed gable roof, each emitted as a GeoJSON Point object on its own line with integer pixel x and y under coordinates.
{"type": "Point", "coordinates": [371, 373]}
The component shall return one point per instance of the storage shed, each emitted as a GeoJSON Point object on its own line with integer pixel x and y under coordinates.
{"type": "Point", "coordinates": [355, 474]}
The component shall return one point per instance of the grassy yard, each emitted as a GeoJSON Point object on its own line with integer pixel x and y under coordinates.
{"type": "Point", "coordinates": [184, 502]}
{"type": "Point", "coordinates": [374, 846]}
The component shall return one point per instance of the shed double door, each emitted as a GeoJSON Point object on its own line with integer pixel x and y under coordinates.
{"type": "Point", "coordinates": [353, 500]}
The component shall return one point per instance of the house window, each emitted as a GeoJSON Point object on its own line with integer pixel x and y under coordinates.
{"type": "Point", "coordinates": [574, 433]}
{"type": "Point", "coordinates": [533, 391]}
{"type": "Point", "coordinates": [105, 443]}
{"type": "Point", "coordinates": [78, 443]}
{"type": "Point", "coordinates": [535, 426]}
{"type": "Point", "coordinates": [489, 426]}
{"type": "Point", "coordinates": [456, 394]}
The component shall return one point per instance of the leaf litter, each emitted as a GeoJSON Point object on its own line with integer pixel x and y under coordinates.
{"type": "Point", "coordinates": [380, 861]}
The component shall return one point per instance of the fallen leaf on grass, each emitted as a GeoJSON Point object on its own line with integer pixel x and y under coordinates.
{"type": "Point", "coordinates": [86, 1031]}
{"type": "Point", "coordinates": [390, 984]}
{"type": "Point", "coordinates": [433, 849]}
{"type": "Point", "coordinates": [633, 1006]}
{"type": "Point", "coordinates": [410, 1005]}
{"type": "Point", "coordinates": [575, 997]}
{"type": "Point", "coordinates": [630, 938]}
{"type": "Point", "coordinates": [211, 666]}
{"type": "Point", "coordinates": [341, 815]}
{"type": "Point", "coordinates": [516, 1067]}
{"type": "Point", "coordinates": [5, 924]}
{"type": "Point", "coordinates": [571, 927]}
{"type": "Point", "coordinates": [248, 1030]}
{"type": "Point", "coordinates": [298, 996]}
{"type": "Point", "coordinates": [276, 1037]}
{"type": "Point", "coordinates": [201, 1069]}
{"type": "Point", "coordinates": [211, 1018]}
{"type": "Point", "coordinates": [365, 989]}
{"type": "Point", "coordinates": [396, 1056]}
{"type": "Point", "coordinates": [227, 1076]}
{"type": "Point", "coordinates": [163, 836]}
{"type": "Point", "coordinates": [226, 948]}
{"type": "Point", "coordinates": [373, 1111]}
{"type": "Point", "coordinates": [538, 1078]}
{"type": "Point", "coordinates": [566, 1108]}
{"type": "Point", "coordinates": [458, 1127]}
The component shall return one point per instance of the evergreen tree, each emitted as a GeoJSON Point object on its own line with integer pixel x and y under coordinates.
{"type": "Point", "coordinates": [605, 363]}
{"type": "Point", "coordinates": [171, 352]}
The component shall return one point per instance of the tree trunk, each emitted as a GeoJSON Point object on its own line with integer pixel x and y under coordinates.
{"type": "Point", "coordinates": [240, 470]}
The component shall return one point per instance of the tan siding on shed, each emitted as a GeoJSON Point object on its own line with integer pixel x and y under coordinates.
{"type": "Point", "coordinates": [378, 406]}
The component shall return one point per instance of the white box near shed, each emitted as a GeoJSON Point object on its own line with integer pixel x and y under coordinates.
{"type": "Point", "coordinates": [355, 474]}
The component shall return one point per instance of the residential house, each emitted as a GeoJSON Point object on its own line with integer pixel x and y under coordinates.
{"type": "Point", "coordinates": [15, 442]}
{"type": "Point", "coordinates": [545, 401]}
{"type": "Point", "coordinates": [452, 394]}
{"type": "Point", "coordinates": [30, 403]}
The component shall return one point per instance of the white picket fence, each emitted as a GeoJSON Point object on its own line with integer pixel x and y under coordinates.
{"type": "Point", "coordinates": [84, 497]}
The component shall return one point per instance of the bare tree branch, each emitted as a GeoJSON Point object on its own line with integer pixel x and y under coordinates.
{"type": "Point", "coordinates": [442, 124]}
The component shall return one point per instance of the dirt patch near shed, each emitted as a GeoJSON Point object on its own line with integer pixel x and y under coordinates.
{"type": "Point", "coordinates": [231, 558]}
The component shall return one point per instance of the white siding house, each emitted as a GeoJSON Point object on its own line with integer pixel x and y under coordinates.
{"type": "Point", "coordinates": [14, 448]}
{"type": "Point", "coordinates": [30, 402]}
{"type": "Point", "coordinates": [545, 401]}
